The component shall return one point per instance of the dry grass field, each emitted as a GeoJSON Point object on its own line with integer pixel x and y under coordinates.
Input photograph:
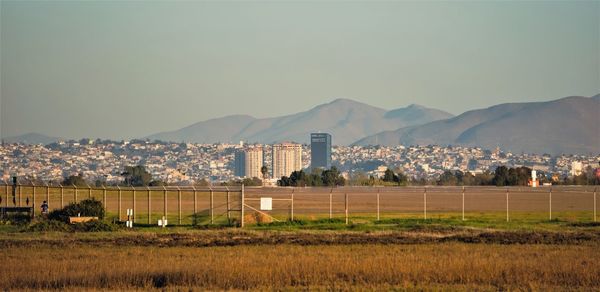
{"type": "Point", "coordinates": [391, 254]}
{"type": "Point", "coordinates": [448, 266]}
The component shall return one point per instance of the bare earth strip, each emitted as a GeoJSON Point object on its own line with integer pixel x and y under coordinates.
{"type": "Point", "coordinates": [235, 238]}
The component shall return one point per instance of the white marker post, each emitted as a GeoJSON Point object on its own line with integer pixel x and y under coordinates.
{"type": "Point", "coordinates": [162, 222]}
{"type": "Point", "coordinates": [129, 222]}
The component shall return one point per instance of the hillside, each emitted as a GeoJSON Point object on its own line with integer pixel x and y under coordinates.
{"type": "Point", "coordinates": [31, 138]}
{"type": "Point", "coordinates": [346, 120]}
{"type": "Point", "coordinates": [567, 125]}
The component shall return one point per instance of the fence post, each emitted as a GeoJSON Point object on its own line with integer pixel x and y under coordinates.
{"type": "Point", "coordinates": [33, 203]}
{"type": "Point", "coordinates": [463, 203]}
{"type": "Point", "coordinates": [292, 211]}
{"type": "Point", "coordinates": [179, 204]}
{"type": "Point", "coordinates": [242, 207]}
{"type": "Point", "coordinates": [119, 209]}
{"type": "Point", "coordinates": [165, 203]}
{"type": "Point", "coordinates": [595, 204]}
{"type": "Point", "coordinates": [346, 206]}
{"type": "Point", "coordinates": [330, 204]}
{"type": "Point", "coordinates": [75, 193]}
{"type": "Point", "coordinates": [195, 200]}
{"type": "Point", "coordinates": [212, 206]}
{"type": "Point", "coordinates": [104, 196]}
{"type": "Point", "coordinates": [377, 204]}
{"type": "Point", "coordinates": [550, 204]}
{"type": "Point", "coordinates": [62, 196]}
{"type": "Point", "coordinates": [89, 192]}
{"type": "Point", "coordinates": [228, 207]}
{"type": "Point", "coordinates": [506, 204]}
{"type": "Point", "coordinates": [48, 194]}
{"type": "Point", "coordinates": [149, 205]}
{"type": "Point", "coordinates": [133, 211]}
{"type": "Point", "coordinates": [20, 194]}
{"type": "Point", "coordinates": [425, 203]}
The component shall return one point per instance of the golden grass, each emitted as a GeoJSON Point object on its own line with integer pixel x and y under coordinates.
{"type": "Point", "coordinates": [454, 266]}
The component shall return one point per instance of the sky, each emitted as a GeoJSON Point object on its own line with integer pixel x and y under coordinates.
{"type": "Point", "coordinates": [121, 70]}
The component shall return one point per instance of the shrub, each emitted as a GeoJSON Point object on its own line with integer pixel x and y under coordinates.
{"type": "Point", "coordinates": [17, 218]}
{"type": "Point", "coordinates": [48, 225]}
{"type": "Point", "coordinates": [94, 226]}
{"type": "Point", "coordinates": [88, 207]}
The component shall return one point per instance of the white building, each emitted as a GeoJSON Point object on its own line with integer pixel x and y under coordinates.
{"type": "Point", "coordinates": [287, 158]}
{"type": "Point", "coordinates": [576, 167]}
{"type": "Point", "coordinates": [249, 162]}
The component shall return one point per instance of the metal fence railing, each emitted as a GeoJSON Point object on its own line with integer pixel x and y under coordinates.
{"type": "Point", "coordinates": [236, 205]}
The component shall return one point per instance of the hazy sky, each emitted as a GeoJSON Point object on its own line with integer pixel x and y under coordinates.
{"type": "Point", "coordinates": [130, 69]}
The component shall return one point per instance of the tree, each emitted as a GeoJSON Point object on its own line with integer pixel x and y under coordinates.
{"type": "Point", "coordinates": [284, 182]}
{"type": "Point", "coordinates": [389, 176]}
{"type": "Point", "coordinates": [361, 179]}
{"type": "Point", "coordinates": [330, 176]}
{"type": "Point", "coordinates": [401, 179]}
{"type": "Point", "coordinates": [76, 180]}
{"type": "Point", "coordinates": [203, 183]}
{"type": "Point", "coordinates": [447, 179]}
{"type": "Point", "coordinates": [251, 182]}
{"type": "Point", "coordinates": [137, 176]}
{"type": "Point", "coordinates": [315, 178]}
{"type": "Point", "coordinates": [264, 170]}
{"type": "Point", "coordinates": [504, 176]}
{"type": "Point", "coordinates": [298, 178]}
{"type": "Point", "coordinates": [255, 181]}
{"type": "Point", "coordinates": [500, 176]}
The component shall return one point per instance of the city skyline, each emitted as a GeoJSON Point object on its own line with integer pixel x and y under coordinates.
{"type": "Point", "coordinates": [195, 163]}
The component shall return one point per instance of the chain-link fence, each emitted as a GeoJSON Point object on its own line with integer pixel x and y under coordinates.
{"type": "Point", "coordinates": [223, 205]}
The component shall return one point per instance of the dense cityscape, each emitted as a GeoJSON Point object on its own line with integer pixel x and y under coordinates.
{"type": "Point", "coordinates": [103, 161]}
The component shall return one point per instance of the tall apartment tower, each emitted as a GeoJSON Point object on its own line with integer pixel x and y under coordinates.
{"type": "Point", "coordinates": [287, 158]}
{"type": "Point", "coordinates": [249, 162]}
{"type": "Point", "coordinates": [320, 150]}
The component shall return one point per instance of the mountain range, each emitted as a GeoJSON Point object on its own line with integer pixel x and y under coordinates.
{"type": "Point", "coordinates": [31, 138]}
{"type": "Point", "coordinates": [566, 125]}
{"type": "Point", "coordinates": [346, 120]}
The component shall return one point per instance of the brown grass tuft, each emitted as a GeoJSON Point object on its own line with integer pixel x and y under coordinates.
{"type": "Point", "coordinates": [256, 217]}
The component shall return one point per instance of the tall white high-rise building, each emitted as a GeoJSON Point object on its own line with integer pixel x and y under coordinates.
{"type": "Point", "coordinates": [576, 168]}
{"type": "Point", "coordinates": [249, 162]}
{"type": "Point", "coordinates": [287, 158]}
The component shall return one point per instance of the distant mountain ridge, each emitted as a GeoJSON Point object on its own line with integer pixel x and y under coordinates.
{"type": "Point", "coordinates": [346, 120]}
{"type": "Point", "coordinates": [31, 138]}
{"type": "Point", "coordinates": [566, 125]}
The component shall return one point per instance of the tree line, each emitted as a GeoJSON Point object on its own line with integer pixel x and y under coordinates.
{"type": "Point", "coordinates": [501, 176]}
{"type": "Point", "coordinates": [316, 178]}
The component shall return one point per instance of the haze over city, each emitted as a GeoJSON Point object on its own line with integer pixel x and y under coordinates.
{"type": "Point", "coordinates": [122, 70]}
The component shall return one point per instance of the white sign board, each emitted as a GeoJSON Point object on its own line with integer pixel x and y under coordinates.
{"type": "Point", "coordinates": [266, 204]}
